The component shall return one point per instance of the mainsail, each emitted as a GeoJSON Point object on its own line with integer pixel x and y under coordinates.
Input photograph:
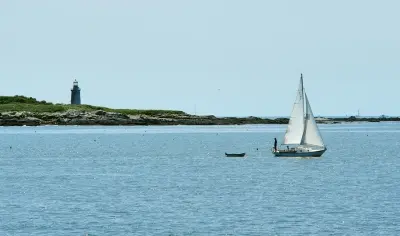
{"type": "Point", "coordinates": [295, 129]}
{"type": "Point", "coordinates": [311, 134]}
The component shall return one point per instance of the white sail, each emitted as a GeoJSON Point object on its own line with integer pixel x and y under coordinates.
{"type": "Point", "coordinates": [311, 136]}
{"type": "Point", "coordinates": [295, 129]}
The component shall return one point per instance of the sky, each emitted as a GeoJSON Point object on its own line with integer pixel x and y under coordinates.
{"type": "Point", "coordinates": [221, 57]}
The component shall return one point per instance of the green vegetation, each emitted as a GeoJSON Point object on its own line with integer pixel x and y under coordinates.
{"type": "Point", "coordinates": [21, 99]}
{"type": "Point", "coordinates": [29, 104]}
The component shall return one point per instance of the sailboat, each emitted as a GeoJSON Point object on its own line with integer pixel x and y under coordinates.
{"type": "Point", "coordinates": [302, 131]}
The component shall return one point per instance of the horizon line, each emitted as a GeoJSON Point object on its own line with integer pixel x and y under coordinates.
{"type": "Point", "coordinates": [319, 116]}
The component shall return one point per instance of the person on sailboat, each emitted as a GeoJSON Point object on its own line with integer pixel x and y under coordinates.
{"type": "Point", "coordinates": [275, 144]}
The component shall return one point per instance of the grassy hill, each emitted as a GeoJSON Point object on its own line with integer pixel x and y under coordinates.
{"type": "Point", "coordinates": [22, 103]}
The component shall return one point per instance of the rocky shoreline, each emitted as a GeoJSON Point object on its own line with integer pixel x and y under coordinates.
{"type": "Point", "coordinates": [100, 117]}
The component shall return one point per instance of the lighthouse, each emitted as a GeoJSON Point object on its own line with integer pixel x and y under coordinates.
{"type": "Point", "coordinates": [76, 94]}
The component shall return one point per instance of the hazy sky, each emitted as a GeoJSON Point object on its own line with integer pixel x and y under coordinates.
{"type": "Point", "coordinates": [220, 57]}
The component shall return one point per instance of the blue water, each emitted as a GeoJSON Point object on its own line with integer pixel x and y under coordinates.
{"type": "Point", "coordinates": [176, 181]}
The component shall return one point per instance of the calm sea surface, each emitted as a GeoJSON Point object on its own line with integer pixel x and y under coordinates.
{"type": "Point", "coordinates": [177, 181]}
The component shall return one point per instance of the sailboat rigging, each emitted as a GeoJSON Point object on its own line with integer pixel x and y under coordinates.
{"type": "Point", "coordinates": [302, 130]}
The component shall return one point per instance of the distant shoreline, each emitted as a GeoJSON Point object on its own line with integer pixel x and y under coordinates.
{"type": "Point", "coordinates": [27, 111]}
{"type": "Point", "coordinates": [103, 118]}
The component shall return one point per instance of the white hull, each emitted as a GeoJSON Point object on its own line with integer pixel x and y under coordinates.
{"type": "Point", "coordinates": [299, 153]}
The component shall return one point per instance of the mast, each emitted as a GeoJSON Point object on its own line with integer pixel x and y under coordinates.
{"type": "Point", "coordinates": [302, 91]}
{"type": "Point", "coordinates": [305, 110]}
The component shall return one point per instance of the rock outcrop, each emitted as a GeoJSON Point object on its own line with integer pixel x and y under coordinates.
{"type": "Point", "coordinates": [100, 117]}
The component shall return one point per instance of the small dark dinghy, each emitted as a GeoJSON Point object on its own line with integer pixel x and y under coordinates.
{"type": "Point", "coordinates": [235, 154]}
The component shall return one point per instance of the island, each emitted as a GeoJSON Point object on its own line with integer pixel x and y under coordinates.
{"type": "Point", "coordinates": [27, 111]}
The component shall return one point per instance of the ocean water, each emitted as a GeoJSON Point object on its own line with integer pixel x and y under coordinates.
{"type": "Point", "coordinates": [177, 181]}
